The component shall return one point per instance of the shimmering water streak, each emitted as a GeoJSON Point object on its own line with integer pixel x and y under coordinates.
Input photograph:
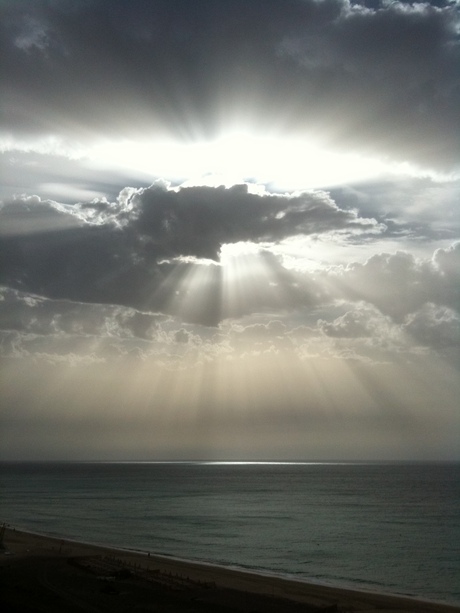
{"type": "Point", "coordinates": [387, 527]}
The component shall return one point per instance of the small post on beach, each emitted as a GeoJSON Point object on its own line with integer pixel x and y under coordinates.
{"type": "Point", "coordinates": [2, 534]}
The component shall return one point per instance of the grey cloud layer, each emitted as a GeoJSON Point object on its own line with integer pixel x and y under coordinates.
{"type": "Point", "coordinates": [142, 252]}
{"type": "Point", "coordinates": [379, 75]}
{"type": "Point", "coordinates": [130, 252]}
{"type": "Point", "coordinates": [364, 312]}
{"type": "Point", "coordinates": [399, 284]}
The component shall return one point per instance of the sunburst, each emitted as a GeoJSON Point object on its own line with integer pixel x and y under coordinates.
{"type": "Point", "coordinates": [285, 164]}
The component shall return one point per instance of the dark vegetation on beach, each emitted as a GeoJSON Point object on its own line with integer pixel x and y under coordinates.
{"type": "Point", "coordinates": [42, 574]}
{"type": "Point", "coordinates": [54, 584]}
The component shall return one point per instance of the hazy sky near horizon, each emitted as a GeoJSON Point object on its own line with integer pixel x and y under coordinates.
{"type": "Point", "coordinates": [230, 229]}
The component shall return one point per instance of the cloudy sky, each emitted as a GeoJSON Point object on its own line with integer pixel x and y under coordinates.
{"type": "Point", "coordinates": [230, 229]}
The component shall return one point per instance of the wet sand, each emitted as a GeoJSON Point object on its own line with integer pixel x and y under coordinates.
{"type": "Point", "coordinates": [43, 574]}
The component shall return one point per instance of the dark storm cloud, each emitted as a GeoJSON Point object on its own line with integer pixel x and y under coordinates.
{"type": "Point", "coordinates": [198, 220]}
{"type": "Point", "coordinates": [130, 252]}
{"type": "Point", "coordinates": [159, 59]}
{"type": "Point", "coordinates": [396, 71]}
{"type": "Point", "coordinates": [379, 75]}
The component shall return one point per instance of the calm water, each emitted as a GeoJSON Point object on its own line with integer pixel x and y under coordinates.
{"type": "Point", "coordinates": [389, 528]}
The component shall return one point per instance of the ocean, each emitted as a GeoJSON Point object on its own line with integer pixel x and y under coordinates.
{"type": "Point", "coordinates": [382, 527]}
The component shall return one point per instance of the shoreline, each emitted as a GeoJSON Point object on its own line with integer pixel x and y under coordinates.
{"type": "Point", "coordinates": [31, 548]}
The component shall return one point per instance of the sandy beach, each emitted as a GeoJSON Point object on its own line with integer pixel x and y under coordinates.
{"type": "Point", "coordinates": [39, 573]}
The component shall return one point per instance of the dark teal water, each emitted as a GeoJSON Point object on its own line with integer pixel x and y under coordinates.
{"type": "Point", "coordinates": [392, 528]}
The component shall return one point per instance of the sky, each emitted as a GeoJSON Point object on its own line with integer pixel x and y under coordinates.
{"type": "Point", "coordinates": [229, 230]}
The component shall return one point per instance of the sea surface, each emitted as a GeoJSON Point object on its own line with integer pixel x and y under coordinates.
{"type": "Point", "coordinates": [382, 527]}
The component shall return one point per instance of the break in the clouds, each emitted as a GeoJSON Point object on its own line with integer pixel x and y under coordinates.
{"type": "Point", "coordinates": [230, 229]}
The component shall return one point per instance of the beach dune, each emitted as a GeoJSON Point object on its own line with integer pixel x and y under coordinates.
{"type": "Point", "coordinates": [44, 574]}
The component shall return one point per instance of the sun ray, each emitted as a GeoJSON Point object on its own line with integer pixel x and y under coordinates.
{"type": "Point", "coordinates": [249, 280]}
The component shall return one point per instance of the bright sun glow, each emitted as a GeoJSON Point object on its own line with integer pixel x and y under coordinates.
{"type": "Point", "coordinates": [285, 164]}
